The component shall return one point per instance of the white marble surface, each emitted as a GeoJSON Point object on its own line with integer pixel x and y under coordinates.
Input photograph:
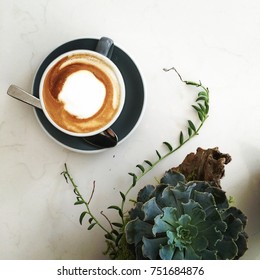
{"type": "Point", "coordinates": [217, 42]}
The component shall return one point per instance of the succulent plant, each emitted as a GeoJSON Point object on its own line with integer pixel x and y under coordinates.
{"type": "Point", "coordinates": [187, 216]}
{"type": "Point", "coordinates": [185, 220]}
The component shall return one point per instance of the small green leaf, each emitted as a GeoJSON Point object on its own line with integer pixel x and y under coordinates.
{"type": "Point", "coordinates": [201, 116]}
{"type": "Point", "coordinates": [191, 125]}
{"type": "Point", "coordinates": [207, 107]}
{"type": "Point", "coordinates": [196, 108]}
{"type": "Point", "coordinates": [202, 108]}
{"type": "Point", "coordinates": [202, 93]}
{"type": "Point", "coordinates": [115, 232]}
{"type": "Point", "coordinates": [134, 178]}
{"type": "Point", "coordinates": [148, 162]}
{"type": "Point", "coordinates": [168, 145]}
{"type": "Point", "coordinates": [120, 213]}
{"type": "Point", "coordinates": [91, 226]}
{"type": "Point", "coordinates": [76, 192]}
{"type": "Point", "coordinates": [181, 138]}
{"type": "Point", "coordinates": [189, 131]}
{"type": "Point", "coordinates": [158, 154]}
{"type": "Point", "coordinates": [118, 209]}
{"type": "Point", "coordinates": [82, 215]}
{"type": "Point", "coordinates": [109, 236]}
{"type": "Point", "coordinates": [192, 83]}
{"type": "Point", "coordinates": [114, 207]}
{"type": "Point", "coordinates": [90, 220]}
{"type": "Point", "coordinates": [122, 195]}
{"type": "Point", "coordinates": [140, 167]}
{"type": "Point", "coordinates": [117, 225]}
{"type": "Point", "coordinates": [202, 98]}
{"type": "Point", "coordinates": [79, 202]}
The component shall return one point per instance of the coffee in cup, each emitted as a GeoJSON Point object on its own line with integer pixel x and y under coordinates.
{"type": "Point", "coordinates": [82, 92]}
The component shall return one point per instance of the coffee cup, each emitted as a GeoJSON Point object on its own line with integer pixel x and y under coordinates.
{"type": "Point", "coordinates": [82, 92]}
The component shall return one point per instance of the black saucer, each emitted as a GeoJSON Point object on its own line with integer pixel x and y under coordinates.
{"type": "Point", "coordinates": [134, 101]}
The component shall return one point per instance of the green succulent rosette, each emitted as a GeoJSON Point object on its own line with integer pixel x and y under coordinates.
{"type": "Point", "coordinates": [179, 220]}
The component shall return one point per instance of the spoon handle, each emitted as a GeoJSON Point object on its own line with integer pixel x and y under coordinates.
{"type": "Point", "coordinates": [24, 96]}
{"type": "Point", "coordinates": [105, 139]}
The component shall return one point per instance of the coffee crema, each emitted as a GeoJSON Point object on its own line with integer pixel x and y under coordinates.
{"type": "Point", "coordinates": [81, 93]}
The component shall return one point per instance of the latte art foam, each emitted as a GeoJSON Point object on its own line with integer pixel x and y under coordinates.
{"type": "Point", "coordinates": [81, 93]}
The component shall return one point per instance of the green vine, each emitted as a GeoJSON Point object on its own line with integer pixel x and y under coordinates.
{"type": "Point", "coordinates": [115, 232]}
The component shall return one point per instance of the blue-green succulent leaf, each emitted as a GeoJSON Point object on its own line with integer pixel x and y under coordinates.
{"type": "Point", "coordinates": [194, 210]}
{"type": "Point", "coordinates": [213, 236]}
{"type": "Point", "coordinates": [241, 243]}
{"type": "Point", "coordinates": [235, 226]}
{"type": "Point", "coordinates": [168, 199]}
{"type": "Point", "coordinates": [151, 247]}
{"type": "Point", "coordinates": [151, 210]}
{"type": "Point", "coordinates": [208, 255]}
{"type": "Point", "coordinates": [172, 178]}
{"type": "Point", "coordinates": [178, 254]}
{"type": "Point", "coordinates": [187, 233]}
{"type": "Point", "coordinates": [189, 254]}
{"type": "Point", "coordinates": [200, 243]}
{"type": "Point", "coordinates": [137, 211]}
{"type": "Point", "coordinates": [200, 186]}
{"type": "Point", "coordinates": [206, 200]}
{"type": "Point", "coordinates": [239, 214]}
{"type": "Point", "coordinates": [171, 236]}
{"type": "Point", "coordinates": [227, 249]}
{"type": "Point", "coordinates": [236, 213]}
{"type": "Point", "coordinates": [165, 221]}
{"type": "Point", "coordinates": [166, 252]}
{"type": "Point", "coordinates": [136, 230]}
{"type": "Point", "coordinates": [181, 193]}
{"type": "Point", "coordinates": [173, 197]}
{"type": "Point", "coordinates": [184, 220]}
{"type": "Point", "coordinates": [219, 196]}
{"type": "Point", "coordinates": [145, 193]}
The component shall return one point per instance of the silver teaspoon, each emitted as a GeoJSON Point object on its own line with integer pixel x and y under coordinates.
{"type": "Point", "coordinates": [105, 139]}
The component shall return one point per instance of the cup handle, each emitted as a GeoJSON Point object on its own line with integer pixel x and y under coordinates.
{"type": "Point", "coordinates": [105, 46]}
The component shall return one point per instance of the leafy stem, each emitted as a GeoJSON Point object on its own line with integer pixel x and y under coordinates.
{"type": "Point", "coordinates": [202, 109]}
{"type": "Point", "coordinates": [80, 200]}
